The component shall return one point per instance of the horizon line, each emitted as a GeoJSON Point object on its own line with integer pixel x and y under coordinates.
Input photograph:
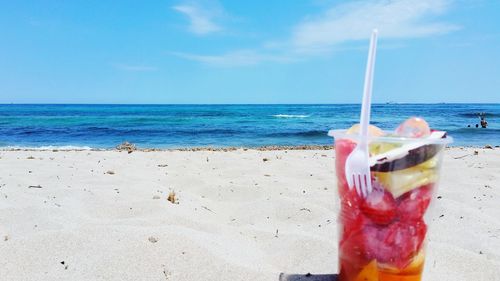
{"type": "Point", "coordinates": [154, 104]}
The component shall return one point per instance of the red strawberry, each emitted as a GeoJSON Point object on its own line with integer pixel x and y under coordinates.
{"type": "Point", "coordinates": [395, 244]}
{"type": "Point", "coordinates": [354, 249]}
{"type": "Point", "coordinates": [351, 221]}
{"type": "Point", "coordinates": [343, 147]}
{"type": "Point", "coordinates": [379, 206]}
{"type": "Point", "coordinates": [413, 204]}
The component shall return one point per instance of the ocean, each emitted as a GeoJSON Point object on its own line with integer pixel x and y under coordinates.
{"type": "Point", "coordinates": [178, 126]}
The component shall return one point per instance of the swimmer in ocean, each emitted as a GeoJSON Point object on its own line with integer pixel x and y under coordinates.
{"type": "Point", "coordinates": [483, 121]}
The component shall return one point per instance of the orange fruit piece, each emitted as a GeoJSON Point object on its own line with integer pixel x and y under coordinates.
{"type": "Point", "coordinates": [413, 272]}
{"type": "Point", "coordinates": [369, 272]}
{"type": "Point", "coordinates": [391, 277]}
{"type": "Point", "coordinates": [417, 265]}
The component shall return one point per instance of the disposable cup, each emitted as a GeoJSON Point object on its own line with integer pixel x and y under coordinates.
{"type": "Point", "coordinates": [382, 237]}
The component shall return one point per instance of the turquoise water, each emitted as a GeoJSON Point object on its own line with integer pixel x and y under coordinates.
{"type": "Point", "coordinates": [174, 126]}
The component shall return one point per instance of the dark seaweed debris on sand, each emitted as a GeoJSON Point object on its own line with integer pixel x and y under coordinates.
{"type": "Point", "coordinates": [129, 147]}
{"type": "Point", "coordinates": [260, 148]}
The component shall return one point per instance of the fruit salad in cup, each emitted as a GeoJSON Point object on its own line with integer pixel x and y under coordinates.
{"type": "Point", "coordinates": [382, 235]}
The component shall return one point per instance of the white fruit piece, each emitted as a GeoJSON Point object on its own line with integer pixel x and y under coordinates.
{"type": "Point", "coordinates": [414, 127]}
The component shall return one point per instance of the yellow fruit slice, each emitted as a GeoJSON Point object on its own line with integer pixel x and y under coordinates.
{"type": "Point", "coordinates": [373, 131]}
{"type": "Point", "coordinates": [382, 147]}
{"type": "Point", "coordinates": [402, 181]}
{"type": "Point", "coordinates": [369, 272]}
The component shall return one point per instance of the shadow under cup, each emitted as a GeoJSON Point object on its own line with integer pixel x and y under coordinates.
{"type": "Point", "coordinates": [382, 236]}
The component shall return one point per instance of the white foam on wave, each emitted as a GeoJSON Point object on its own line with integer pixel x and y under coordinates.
{"type": "Point", "coordinates": [290, 116]}
{"type": "Point", "coordinates": [47, 147]}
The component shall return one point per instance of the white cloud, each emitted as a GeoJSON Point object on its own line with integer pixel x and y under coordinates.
{"type": "Point", "coordinates": [355, 20]}
{"type": "Point", "coordinates": [201, 20]}
{"type": "Point", "coordinates": [235, 58]}
{"type": "Point", "coordinates": [136, 68]}
{"type": "Point", "coordinates": [343, 23]}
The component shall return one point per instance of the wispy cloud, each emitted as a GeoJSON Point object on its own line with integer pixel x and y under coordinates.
{"type": "Point", "coordinates": [201, 19]}
{"type": "Point", "coordinates": [344, 23]}
{"type": "Point", "coordinates": [354, 21]}
{"type": "Point", "coordinates": [134, 68]}
{"type": "Point", "coordinates": [235, 58]}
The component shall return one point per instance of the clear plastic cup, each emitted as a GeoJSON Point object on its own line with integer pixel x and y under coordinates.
{"type": "Point", "coordinates": [382, 237]}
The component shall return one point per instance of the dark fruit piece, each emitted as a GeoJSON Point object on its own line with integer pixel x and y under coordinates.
{"type": "Point", "coordinates": [379, 206]}
{"type": "Point", "coordinates": [413, 204]}
{"type": "Point", "coordinates": [412, 158]}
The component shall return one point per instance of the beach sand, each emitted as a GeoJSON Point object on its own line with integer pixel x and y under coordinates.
{"type": "Point", "coordinates": [237, 215]}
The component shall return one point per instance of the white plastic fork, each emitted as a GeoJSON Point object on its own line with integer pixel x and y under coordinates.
{"type": "Point", "coordinates": [357, 167]}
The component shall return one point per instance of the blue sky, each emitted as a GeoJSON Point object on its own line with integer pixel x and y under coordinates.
{"type": "Point", "coordinates": [309, 51]}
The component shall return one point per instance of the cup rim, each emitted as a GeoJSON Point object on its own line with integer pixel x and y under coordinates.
{"type": "Point", "coordinates": [342, 134]}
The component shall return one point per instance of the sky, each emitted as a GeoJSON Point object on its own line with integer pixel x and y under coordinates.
{"type": "Point", "coordinates": [304, 51]}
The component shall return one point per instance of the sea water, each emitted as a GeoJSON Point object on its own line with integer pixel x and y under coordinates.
{"type": "Point", "coordinates": [176, 126]}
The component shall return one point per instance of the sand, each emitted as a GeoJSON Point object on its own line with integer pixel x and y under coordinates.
{"type": "Point", "coordinates": [237, 215]}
